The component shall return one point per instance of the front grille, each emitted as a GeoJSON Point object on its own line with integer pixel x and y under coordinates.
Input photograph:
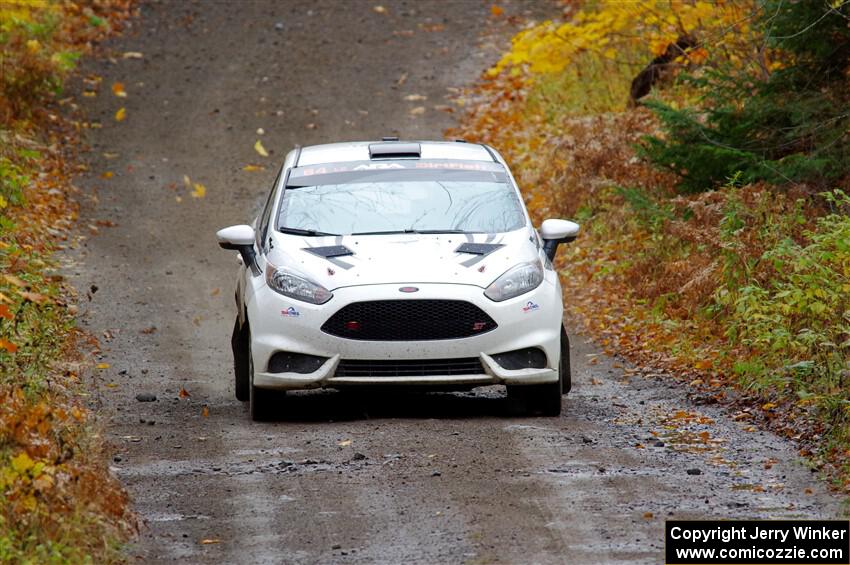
{"type": "Point", "coordinates": [409, 368]}
{"type": "Point", "coordinates": [409, 320]}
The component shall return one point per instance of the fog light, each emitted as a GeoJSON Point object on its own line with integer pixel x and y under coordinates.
{"type": "Point", "coordinates": [353, 325]}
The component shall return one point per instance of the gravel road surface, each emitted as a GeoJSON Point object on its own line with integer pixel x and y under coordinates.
{"type": "Point", "coordinates": [350, 478]}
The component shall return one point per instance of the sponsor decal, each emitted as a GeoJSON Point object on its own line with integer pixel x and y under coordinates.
{"type": "Point", "coordinates": [530, 307]}
{"type": "Point", "coordinates": [290, 312]}
{"type": "Point", "coordinates": [408, 289]}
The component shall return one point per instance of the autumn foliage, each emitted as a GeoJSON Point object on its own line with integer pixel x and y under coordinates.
{"type": "Point", "coordinates": [59, 503]}
{"type": "Point", "coordinates": [727, 279]}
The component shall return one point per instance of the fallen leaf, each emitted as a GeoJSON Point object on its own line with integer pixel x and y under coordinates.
{"type": "Point", "coordinates": [215, 291]}
{"type": "Point", "coordinates": [253, 168]}
{"type": "Point", "coordinates": [647, 515]}
{"type": "Point", "coordinates": [496, 10]}
{"type": "Point", "coordinates": [258, 147]}
{"type": "Point", "coordinates": [149, 330]}
{"type": "Point", "coordinates": [415, 97]}
{"type": "Point", "coordinates": [199, 191]}
{"type": "Point", "coordinates": [210, 541]}
{"type": "Point", "coordinates": [118, 90]}
{"type": "Point", "coordinates": [35, 297]}
{"type": "Point", "coordinates": [107, 175]}
{"type": "Point", "coordinates": [344, 443]}
{"type": "Point", "coordinates": [102, 366]}
{"type": "Point", "coordinates": [768, 406]}
{"type": "Point", "coordinates": [419, 110]}
{"type": "Point", "coordinates": [5, 312]}
{"type": "Point", "coordinates": [379, 9]}
{"type": "Point", "coordinates": [133, 55]}
{"type": "Point", "coordinates": [8, 345]}
{"type": "Point", "coordinates": [183, 393]}
{"type": "Point", "coordinates": [205, 413]}
{"type": "Point", "coordinates": [121, 115]}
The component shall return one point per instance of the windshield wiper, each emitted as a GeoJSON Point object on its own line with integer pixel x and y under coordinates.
{"type": "Point", "coordinates": [422, 232]}
{"type": "Point", "coordinates": [440, 231]}
{"type": "Point", "coordinates": [299, 231]}
{"type": "Point", "coordinates": [388, 232]}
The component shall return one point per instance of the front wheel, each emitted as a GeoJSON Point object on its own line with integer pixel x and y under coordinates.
{"type": "Point", "coordinates": [261, 402]}
{"type": "Point", "coordinates": [564, 365]}
{"type": "Point", "coordinates": [239, 344]}
{"type": "Point", "coordinates": [544, 399]}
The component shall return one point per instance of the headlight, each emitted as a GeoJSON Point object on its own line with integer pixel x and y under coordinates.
{"type": "Point", "coordinates": [293, 285]}
{"type": "Point", "coordinates": [516, 281]}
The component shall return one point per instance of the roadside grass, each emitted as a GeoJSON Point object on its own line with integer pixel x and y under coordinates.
{"type": "Point", "coordinates": [59, 503]}
{"type": "Point", "coordinates": [746, 287]}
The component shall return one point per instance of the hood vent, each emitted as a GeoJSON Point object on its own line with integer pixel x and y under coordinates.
{"type": "Point", "coordinates": [478, 248]}
{"type": "Point", "coordinates": [330, 251]}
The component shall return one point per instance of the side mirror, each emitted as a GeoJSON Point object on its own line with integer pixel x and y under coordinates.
{"type": "Point", "coordinates": [556, 232]}
{"type": "Point", "coordinates": [240, 238]}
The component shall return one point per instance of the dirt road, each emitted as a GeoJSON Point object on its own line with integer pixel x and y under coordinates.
{"type": "Point", "coordinates": [350, 479]}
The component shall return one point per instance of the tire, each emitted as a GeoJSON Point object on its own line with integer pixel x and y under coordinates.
{"type": "Point", "coordinates": [261, 402]}
{"type": "Point", "coordinates": [564, 367]}
{"type": "Point", "coordinates": [239, 344]}
{"type": "Point", "coordinates": [527, 400]}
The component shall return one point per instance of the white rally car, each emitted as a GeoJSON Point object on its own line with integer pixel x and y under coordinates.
{"type": "Point", "coordinates": [398, 264]}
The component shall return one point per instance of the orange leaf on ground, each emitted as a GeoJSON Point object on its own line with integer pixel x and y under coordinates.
{"type": "Point", "coordinates": [8, 345]}
{"type": "Point", "coordinates": [496, 10]}
{"type": "Point", "coordinates": [118, 90]}
{"type": "Point", "coordinates": [5, 312]}
{"type": "Point", "coordinates": [121, 115]}
{"type": "Point", "coordinates": [183, 393]}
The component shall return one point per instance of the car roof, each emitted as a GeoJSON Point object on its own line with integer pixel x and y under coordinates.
{"type": "Point", "coordinates": [359, 151]}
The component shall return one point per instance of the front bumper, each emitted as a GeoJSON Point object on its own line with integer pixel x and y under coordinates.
{"type": "Point", "coordinates": [280, 324]}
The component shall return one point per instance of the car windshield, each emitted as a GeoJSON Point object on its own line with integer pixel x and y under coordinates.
{"type": "Point", "coordinates": [399, 202]}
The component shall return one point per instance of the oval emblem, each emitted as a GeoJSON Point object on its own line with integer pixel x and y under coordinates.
{"type": "Point", "coordinates": [408, 289]}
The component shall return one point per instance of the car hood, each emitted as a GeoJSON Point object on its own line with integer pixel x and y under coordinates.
{"type": "Point", "coordinates": [340, 261]}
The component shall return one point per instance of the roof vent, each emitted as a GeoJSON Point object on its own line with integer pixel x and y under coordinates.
{"type": "Point", "coordinates": [395, 150]}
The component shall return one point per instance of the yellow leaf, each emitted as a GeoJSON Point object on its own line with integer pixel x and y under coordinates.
{"type": "Point", "coordinates": [120, 115]}
{"type": "Point", "coordinates": [200, 191]}
{"type": "Point", "coordinates": [118, 90]}
{"type": "Point", "coordinates": [210, 541]}
{"type": "Point", "coordinates": [344, 443]}
{"type": "Point", "coordinates": [22, 463]}
{"type": "Point", "coordinates": [107, 175]}
{"type": "Point", "coordinates": [102, 366]}
{"type": "Point", "coordinates": [768, 406]}
{"type": "Point", "coordinates": [258, 147]}
{"type": "Point", "coordinates": [3, 202]}
{"type": "Point", "coordinates": [133, 55]}
{"type": "Point", "coordinates": [33, 46]}
{"type": "Point", "coordinates": [253, 168]}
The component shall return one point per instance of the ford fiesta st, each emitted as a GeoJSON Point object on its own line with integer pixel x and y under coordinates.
{"type": "Point", "coordinates": [398, 264]}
